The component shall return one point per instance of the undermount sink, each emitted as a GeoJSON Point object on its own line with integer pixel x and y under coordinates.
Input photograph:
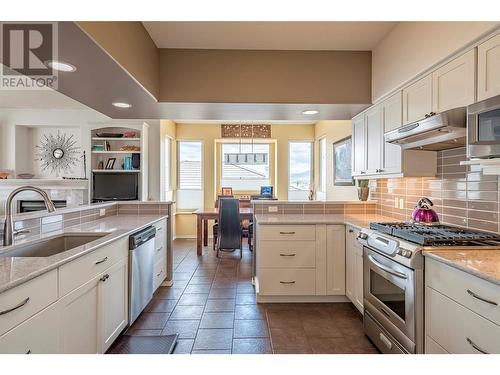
{"type": "Point", "coordinates": [52, 246]}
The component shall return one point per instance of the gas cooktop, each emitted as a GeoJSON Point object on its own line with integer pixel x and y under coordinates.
{"type": "Point", "coordinates": [437, 234]}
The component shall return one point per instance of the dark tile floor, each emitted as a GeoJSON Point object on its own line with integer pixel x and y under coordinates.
{"type": "Point", "coordinates": [213, 309]}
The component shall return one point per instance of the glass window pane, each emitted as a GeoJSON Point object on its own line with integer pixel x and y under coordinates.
{"type": "Point", "coordinates": [244, 176]}
{"type": "Point", "coordinates": [322, 164]}
{"type": "Point", "coordinates": [190, 176]}
{"type": "Point", "coordinates": [300, 170]}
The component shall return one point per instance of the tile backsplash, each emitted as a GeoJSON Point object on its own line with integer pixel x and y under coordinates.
{"type": "Point", "coordinates": [461, 195]}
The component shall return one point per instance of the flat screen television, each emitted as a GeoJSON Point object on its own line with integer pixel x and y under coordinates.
{"type": "Point", "coordinates": [115, 186]}
{"type": "Point", "coordinates": [266, 191]}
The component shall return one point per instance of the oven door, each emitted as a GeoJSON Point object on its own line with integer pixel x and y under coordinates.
{"type": "Point", "coordinates": [389, 292]}
{"type": "Point", "coordinates": [483, 128]}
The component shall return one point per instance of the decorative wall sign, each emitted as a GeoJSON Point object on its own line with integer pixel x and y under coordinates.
{"type": "Point", "coordinates": [245, 131]}
{"type": "Point", "coordinates": [57, 153]}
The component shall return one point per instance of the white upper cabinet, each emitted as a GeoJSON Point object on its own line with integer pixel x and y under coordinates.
{"type": "Point", "coordinates": [392, 112]}
{"type": "Point", "coordinates": [374, 139]}
{"type": "Point", "coordinates": [454, 84]}
{"type": "Point", "coordinates": [358, 145]}
{"type": "Point", "coordinates": [417, 100]}
{"type": "Point", "coordinates": [488, 68]}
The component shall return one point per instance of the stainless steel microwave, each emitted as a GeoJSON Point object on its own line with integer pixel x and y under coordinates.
{"type": "Point", "coordinates": [483, 129]}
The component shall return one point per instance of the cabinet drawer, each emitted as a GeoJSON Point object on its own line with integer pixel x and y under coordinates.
{"type": "Point", "coordinates": [287, 232]}
{"type": "Point", "coordinates": [287, 281]}
{"type": "Point", "coordinates": [25, 300]}
{"type": "Point", "coordinates": [283, 254]}
{"type": "Point", "coordinates": [159, 273]}
{"type": "Point", "coordinates": [465, 289]}
{"type": "Point", "coordinates": [81, 270]}
{"type": "Point", "coordinates": [457, 329]}
{"type": "Point", "coordinates": [37, 335]}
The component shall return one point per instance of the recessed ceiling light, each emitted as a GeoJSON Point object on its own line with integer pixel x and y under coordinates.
{"type": "Point", "coordinates": [61, 66]}
{"type": "Point", "coordinates": [310, 112]}
{"type": "Point", "coordinates": [122, 105]}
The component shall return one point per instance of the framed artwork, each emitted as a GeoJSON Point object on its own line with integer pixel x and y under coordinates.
{"type": "Point", "coordinates": [227, 191]}
{"type": "Point", "coordinates": [110, 164]}
{"type": "Point", "coordinates": [342, 168]}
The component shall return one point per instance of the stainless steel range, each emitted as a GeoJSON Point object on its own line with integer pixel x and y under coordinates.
{"type": "Point", "coordinates": [394, 278]}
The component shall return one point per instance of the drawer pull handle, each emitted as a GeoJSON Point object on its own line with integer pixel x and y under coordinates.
{"type": "Point", "coordinates": [104, 278]}
{"type": "Point", "coordinates": [474, 345]}
{"type": "Point", "coordinates": [287, 232]}
{"type": "Point", "coordinates": [287, 255]}
{"type": "Point", "coordinates": [351, 231]}
{"type": "Point", "coordinates": [481, 298]}
{"type": "Point", "coordinates": [15, 307]}
{"type": "Point", "coordinates": [160, 248]}
{"type": "Point", "coordinates": [287, 282]}
{"type": "Point", "coordinates": [101, 261]}
{"type": "Point", "coordinates": [385, 340]}
{"type": "Point", "coordinates": [159, 273]}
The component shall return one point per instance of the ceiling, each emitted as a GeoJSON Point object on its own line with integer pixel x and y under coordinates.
{"type": "Point", "coordinates": [349, 36]}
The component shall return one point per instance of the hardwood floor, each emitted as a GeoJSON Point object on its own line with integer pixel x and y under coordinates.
{"type": "Point", "coordinates": [213, 309]}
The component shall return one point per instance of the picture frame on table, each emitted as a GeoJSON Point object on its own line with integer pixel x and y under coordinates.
{"type": "Point", "coordinates": [110, 164]}
{"type": "Point", "coordinates": [227, 191]}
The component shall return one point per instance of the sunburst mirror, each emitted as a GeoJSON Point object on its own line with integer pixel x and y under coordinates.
{"type": "Point", "coordinates": [57, 153]}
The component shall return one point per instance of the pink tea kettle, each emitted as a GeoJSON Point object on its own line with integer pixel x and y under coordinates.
{"type": "Point", "coordinates": [423, 213]}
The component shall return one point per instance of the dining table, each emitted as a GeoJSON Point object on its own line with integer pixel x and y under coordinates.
{"type": "Point", "coordinates": [203, 215]}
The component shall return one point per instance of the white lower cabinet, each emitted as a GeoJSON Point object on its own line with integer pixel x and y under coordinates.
{"type": "Point", "coordinates": [461, 312]}
{"type": "Point", "coordinates": [80, 319]}
{"type": "Point", "coordinates": [113, 303]}
{"type": "Point", "coordinates": [37, 335]}
{"type": "Point", "coordinates": [300, 261]}
{"type": "Point", "coordinates": [335, 259]}
{"type": "Point", "coordinates": [93, 315]}
{"type": "Point", "coordinates": [354, 268]}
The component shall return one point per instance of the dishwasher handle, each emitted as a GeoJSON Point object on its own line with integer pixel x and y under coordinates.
{"type": "Point", "coordinates": [139, 238]}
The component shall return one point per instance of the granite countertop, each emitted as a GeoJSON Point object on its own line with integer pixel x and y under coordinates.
{"type": "Point", "coordinates": [17, 270]}
{"type": "Point", "coordinates": [356, 220]}
{"type": "Point", "coordinates": [295, 202]}
{"type": "Point", "coordinates": [484, 264]}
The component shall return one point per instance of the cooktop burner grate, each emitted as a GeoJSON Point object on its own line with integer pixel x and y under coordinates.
{"type": "Point", "coordinates": [437, 234]}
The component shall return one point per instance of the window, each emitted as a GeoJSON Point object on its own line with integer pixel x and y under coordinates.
{"type": "Point", "coordinates": [190, 177]}
{"type": "Point", "coordinates": [322, 165]}
{"type": "Point", "coordinates": [299, 170]}
{"type": "Point", "coordinates": [167, 168]}
{"type": "Point", "coordinates": [245, 175]}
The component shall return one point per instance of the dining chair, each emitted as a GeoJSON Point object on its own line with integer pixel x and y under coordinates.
{"type": "Point", "coordinates": [215, 228]}
{"type": "Point", "coordinates": [229, 231]}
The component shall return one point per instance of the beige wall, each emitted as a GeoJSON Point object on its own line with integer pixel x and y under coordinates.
{"type": "Point", "coordinates": [251, 76]}
{"type": "Point", "coordinates": [130, 45]}
{"type": "Point", "coordinates": [185, 224]}
{"type": "Point", "coordinates": [332, 131]}
{"type": "Point", "coordinates": [412, 47]}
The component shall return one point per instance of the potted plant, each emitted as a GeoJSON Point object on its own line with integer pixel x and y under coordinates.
{"type": "Point", "coordinates": [363, 190]}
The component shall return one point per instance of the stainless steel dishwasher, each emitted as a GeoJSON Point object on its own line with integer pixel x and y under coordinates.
{"type": "Point", "coordinates": [141, 264]}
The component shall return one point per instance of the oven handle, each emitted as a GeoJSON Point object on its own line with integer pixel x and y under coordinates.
{"type": "Point", "coordinates": [387, 269]}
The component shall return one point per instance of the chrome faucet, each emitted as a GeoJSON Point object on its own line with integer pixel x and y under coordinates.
{"type": "Point", "coordinates": [9, 223]}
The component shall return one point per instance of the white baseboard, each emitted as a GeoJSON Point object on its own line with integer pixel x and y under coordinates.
{"type": "Point", "coordinates": [300, 299]}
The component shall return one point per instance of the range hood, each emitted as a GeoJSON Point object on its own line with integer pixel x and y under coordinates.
{"type": "Point", "coordinates": [441, 131]}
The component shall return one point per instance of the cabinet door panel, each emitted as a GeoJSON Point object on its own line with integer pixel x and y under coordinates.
{"type": "Point", "coordinates": [454, 84]}
{"type": "Point", "coordinates": [358, 279]}
{"type": "Point", "coordinates": [114, 303]}
{"type": "Point", "coordinates": [374, 139]}
{"type": "Point", "coordinates": [417, 100]}
{"type": "Point", "coordinates": [358, 145]}
{"type": "Point", "coordinates": [488, 68]}
{"type": "Point", "coordinates": [392, 113]}
{"type": "Point", "coordinates": [335, 259]}
{"type": "Point", "coordinates": [79, 319]}
{"type": "Point", "coordinates": [38, 335]}
{"type": "Point", "coordinates": [349, 263]}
